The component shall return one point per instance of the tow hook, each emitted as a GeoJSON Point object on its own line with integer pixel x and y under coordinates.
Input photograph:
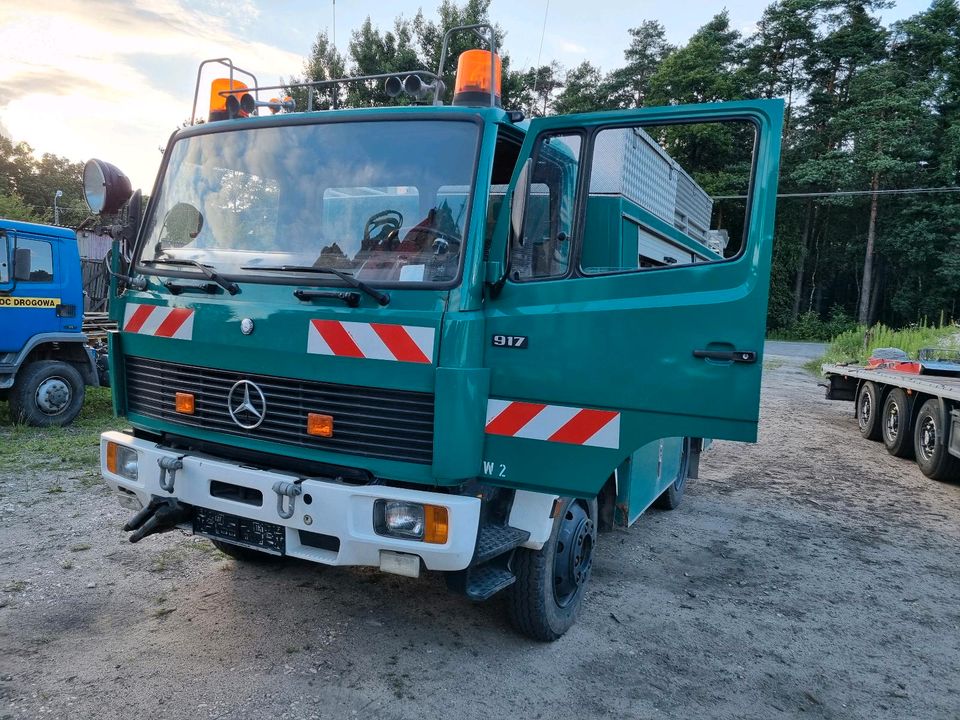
{"type": "Point", "coordinates": [286, 489]}
{"type": "Point", "coordinates": [171, 465]}
{"type": "Point", "coordinates": [160, 515]}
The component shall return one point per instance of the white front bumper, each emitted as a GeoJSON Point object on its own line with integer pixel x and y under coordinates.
{"type": "Point", "coordinates": [342, 511]}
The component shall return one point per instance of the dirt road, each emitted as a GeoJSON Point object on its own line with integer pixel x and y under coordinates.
{"type": "Point", "coordinates": [810, 575]}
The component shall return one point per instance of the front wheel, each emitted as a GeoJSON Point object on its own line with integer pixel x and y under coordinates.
{"type": "Point", "coordinates": [45, 393]}
{"type": "Point", "coordinates": [546, 598]}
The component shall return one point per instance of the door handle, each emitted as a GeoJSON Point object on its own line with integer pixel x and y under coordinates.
{"type": "Point", "coordinates": [740, 356]}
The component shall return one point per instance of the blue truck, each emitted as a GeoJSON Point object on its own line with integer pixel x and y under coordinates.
{"type": "Point", "coordinates": [45, 359]}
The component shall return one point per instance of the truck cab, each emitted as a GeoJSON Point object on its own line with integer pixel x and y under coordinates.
{"type": "Point", "coordinates": [44, 359]}
{"type": "Point", "coordinates": [438, 336]}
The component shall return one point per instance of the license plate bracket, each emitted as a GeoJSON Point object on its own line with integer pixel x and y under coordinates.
{"type": "Point", "coordinates": [263, 536]}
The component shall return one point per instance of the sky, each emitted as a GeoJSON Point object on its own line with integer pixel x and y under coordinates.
{"type": "Point", "coordinates": [112, 79]}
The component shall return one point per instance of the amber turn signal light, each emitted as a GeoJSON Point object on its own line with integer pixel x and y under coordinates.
{"type": "Point", "coordinates": [320, 425]}
{"type": "Point", "coordinates": [436, 525]}
{"type": "Point", "coordinates": [185, 403]}
{"type": "Point", "coordinates": [112, 457]}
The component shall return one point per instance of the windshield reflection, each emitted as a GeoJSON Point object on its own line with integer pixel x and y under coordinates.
{"type": "Point", "coordinates": [386, 201]}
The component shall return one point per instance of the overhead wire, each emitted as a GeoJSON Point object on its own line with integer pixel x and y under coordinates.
{"type": "Point", "coordinates": [841, 193]}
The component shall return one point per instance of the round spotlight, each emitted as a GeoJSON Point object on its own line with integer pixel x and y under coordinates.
{"type": "Point", "coordinates": [105, 187]}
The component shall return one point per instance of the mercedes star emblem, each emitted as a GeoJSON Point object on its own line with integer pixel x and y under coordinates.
{"type": "Point", "coordinates": [246, 326]}
{"type": "Point", "coordinates": [246, 408]}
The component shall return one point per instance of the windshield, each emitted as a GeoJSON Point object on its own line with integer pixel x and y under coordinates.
{"type": "Point", "coordinates": [386, 201]}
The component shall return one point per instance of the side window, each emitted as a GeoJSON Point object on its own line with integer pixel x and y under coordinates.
{"type": "Point", "coordinates": [506, 152]}
{"type": "Point", "coordinates": [4, 259]}
{"type": "Point", "coordinates": [667, 195]}
{"type": "Point", "coordinates": [40, 260]}
{"type": "Point", "coordinates": [548, 220]}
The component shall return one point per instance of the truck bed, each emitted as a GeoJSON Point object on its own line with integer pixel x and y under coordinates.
{"type": "Point", "coordinates": [937, 385]}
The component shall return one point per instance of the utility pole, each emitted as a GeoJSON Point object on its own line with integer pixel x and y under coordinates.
{"type": "Point", "coordinates": [56, 210]}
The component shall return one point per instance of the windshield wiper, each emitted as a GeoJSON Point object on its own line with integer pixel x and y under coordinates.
{"type": "Point", "coordinates": [381, 298]}
{"type": "Point", "coordinates": [228, 285]}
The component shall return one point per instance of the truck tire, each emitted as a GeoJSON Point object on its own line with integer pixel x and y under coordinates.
{"type": "Point", "coordinates": [896, 426]}
{"type": "Point", "coordinates": [929, 441]}
{"type": "Point", "coordinates": [868, 411]}
{"type": "Point", "coordinates": [545, 600]}
{"type": "Point", "coordinates": [46, 393]}
{"type": "Point", "coordinates": [671, 498]}
{"type": "Point", "coordinates": [245, 554]}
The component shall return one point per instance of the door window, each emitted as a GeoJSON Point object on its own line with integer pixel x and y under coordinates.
{"type": "Point", "coordinates": [40, 260]}
{"type": "Point", "coordinates": [667, 196]}
{"type": "Point", "coordinates": [549, 216]}
{"type": "Point", "coordinates": [4, 259]}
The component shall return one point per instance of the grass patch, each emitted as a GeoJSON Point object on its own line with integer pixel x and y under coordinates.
{"type": "Point", "coordinates": [855, 346]}
{"type": "Point", "coordinates": [167, 559]}
{"type": "Point", "coordinates": [773, 364]}
{"type": "Point", "coordinates": [80, 547]}
{"type": "Point", "coordinates": [71, 448]}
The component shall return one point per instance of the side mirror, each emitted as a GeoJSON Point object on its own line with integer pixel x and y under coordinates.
{"type": "Point", "coordinates": [131, 226]}
{"type": "Point", "coordinates": [21, 264]}
{"type": "Point", "coordinates": [518, 203]}
{"type": "Point", "coordinates": [105, 187]}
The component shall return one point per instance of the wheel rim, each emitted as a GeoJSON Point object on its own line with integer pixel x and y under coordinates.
{"type": "Point", "coordinates": [892, 423]}
{"type": "Point", "coordinates": [574, 556]}
{"type": "Point", "coordinates": [53, 395]}
{"type": "Point", "coordinates": [928, 438]}
{"type": "Point", "coordinates": [866, 407]}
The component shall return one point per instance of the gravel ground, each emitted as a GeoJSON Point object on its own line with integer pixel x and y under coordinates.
{"type": "Point", "coordinates": [810, 575]}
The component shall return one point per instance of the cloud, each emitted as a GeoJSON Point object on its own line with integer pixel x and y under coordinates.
{"type": "Point", "coordinates": [571, 47]}
{"type": "Point", "coordinates": [72, 77]}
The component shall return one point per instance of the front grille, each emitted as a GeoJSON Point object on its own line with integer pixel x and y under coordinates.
{"type": "Point", "coordinates": [372, 422]}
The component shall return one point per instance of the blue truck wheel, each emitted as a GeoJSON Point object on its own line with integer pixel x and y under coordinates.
{"type": "Point", "coordinates": [47, 393]}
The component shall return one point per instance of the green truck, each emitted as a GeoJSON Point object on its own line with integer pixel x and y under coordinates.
{"type": "Point", "coordinates": [437, 336]}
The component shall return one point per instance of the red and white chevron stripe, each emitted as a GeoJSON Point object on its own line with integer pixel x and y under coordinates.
{"type": "Point", "coordinates": [158, 321]}
{"type": "Point", "coordinates": [554, 423]}
{"type": "Point", "coordinates": [374, 341]}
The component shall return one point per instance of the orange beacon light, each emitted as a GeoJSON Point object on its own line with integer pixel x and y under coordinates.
{"type": "Point", "coordinates": [473, 79]}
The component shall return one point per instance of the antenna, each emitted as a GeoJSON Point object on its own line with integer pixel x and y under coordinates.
{"type": "Point", "coordinates": [536, 68]}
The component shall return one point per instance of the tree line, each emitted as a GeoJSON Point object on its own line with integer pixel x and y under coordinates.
{"type": "Point", "coordinates": [28, 185]}
{"type": "Point", "coordinates": [868, 225]}
{"type": "Point", "coordinates": [872, 115]}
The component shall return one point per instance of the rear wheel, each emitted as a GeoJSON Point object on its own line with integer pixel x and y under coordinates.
{"type": "Point", "coordinates": [930, 444]}
{"type": "Point", "coordinates": [896, 425]}
{"type": "Point", "coordinates": [671, 497]}
{"type": "Point", "coordinates": [245, 554]}
{"type": "Point", "coordinates": [868, 411]}
{"type": "Point", "coordinates": [545, 600]}
{"type": "Point", "coordinates": [45, 393]}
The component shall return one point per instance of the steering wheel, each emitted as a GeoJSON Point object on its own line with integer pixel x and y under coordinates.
{"type": "Point", "coordinates": [382, 227]}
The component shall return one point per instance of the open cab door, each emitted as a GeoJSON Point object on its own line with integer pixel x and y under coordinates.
{"type": "Point", "coordinates": [633, 297]}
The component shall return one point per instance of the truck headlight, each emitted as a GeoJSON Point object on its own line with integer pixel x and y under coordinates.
{"type": "Point", "coordinates": [123, 461]}
{"type": "Point", "coordinates": [411, 521]}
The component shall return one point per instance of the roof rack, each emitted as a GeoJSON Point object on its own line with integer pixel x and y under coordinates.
{"type": "Point", "coordinates": [434, 82]}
